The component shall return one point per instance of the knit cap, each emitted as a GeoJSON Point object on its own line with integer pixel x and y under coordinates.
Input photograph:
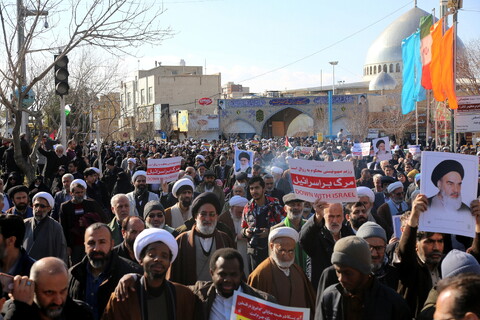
{"type": "Point", "coordinates": [457, 262]}
{"type": "Point", "coordinates": [371, 230]}
{"type": "Point", "coordinates": [353, 252]}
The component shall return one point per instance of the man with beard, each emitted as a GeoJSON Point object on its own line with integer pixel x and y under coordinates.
{"type": "Point", "coordinates": [197, 245]}
{"type": "Point", "coordinates": [319, 234]}
{"type": "Point", "coordinates": [140, 195]}
{"type": "Point", "coordinates": [244, 163]}
{"type": "Point", "coordinates": [154, 296]}
{"type": "Point", "coordinates": [280, 276]}
{"type": "Point", "coordinates": [216, 296]}
{"type": "Point", "coordinates": [76, 215]}
{"type": "Point", "coordinates": [271, 190]}
{"type": "Point", "coordinates": [19, 197]}
{"type": "Point", "coordinates": [176, 215]}
{"type": "Point", "coordinates": [394, 206]}
{"type": "Point", "coordinates": [154, 214]}
{"type": "Point", "coordinates": [14, 260]}
{"type": "Point", "coordinates": [94, 278]}
{"type": "Point", "coordinates": [259, 215]}
{"type": "Point", "coordinates": [63, 195]}
{"type": "Point", "coordinates": [43, 235]}
{"type": "Point", "coordinates": [221, 170]}
{"type": "Point", "coordinates": [447, 177]}
{"type": "Point", "coordinates": [131, 228]}
{"type": "Point", "coordinates": [121, 210]}
{"type": "Point", "coordinates": [208, 185]}
{"type": "Point", "coordinates": [419, 255]}
{"type": "Point", "coordinates": [356, 215]}
{"type": "Point", "coordinates": [294, 209]}
{"type": "Point", "coordinates": [358, 295]}
{"type": "Point", "coordinates": [55, 159]}
{"type": "Point", "coordinates": [45, 296]}
{"type": "Point", "coordinates": [233, 220]}
{"type": "Point", "coordinates": [381, 267]}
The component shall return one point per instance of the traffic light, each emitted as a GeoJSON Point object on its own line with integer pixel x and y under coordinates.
{"type": "Point", "coordinates": [61, 76]}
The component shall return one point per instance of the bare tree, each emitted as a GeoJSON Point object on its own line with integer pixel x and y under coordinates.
{"type": "Point", "coordinates": [395, 123]}
{"type": "Point", "coordinates": [468, 68]}
{"type": "Point", "coordinates": [113, 25]}
{"type": "Point", "coordinates": [357, 121]}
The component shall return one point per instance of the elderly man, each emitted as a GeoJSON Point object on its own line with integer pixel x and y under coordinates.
{"type": "Point", "coordinates": [63, 195]}
{"type": "Point", "coordinates": [271, 190]}
{"type": "Point", "coordinates": [176, 215]}
{"type": "Point", "coordinates": [280, 276]}
{"type": "Point", "coordinates": [281, 184]}
{"type": "Point", "coordinates": [358, 295]}
{"type": "Point", "coordinates": [233, 220]}
{"type": "Point", "coordinates": [139, 197]}
{"type": "Point", "coordinates": [319, 234]}
{"type": "Point", "coordinates": [244, 163]}
{"type": "Point", "coordinates": [94, 278]}
{"type": "Point", "coordinates": [216, 297]}
{"type": "Point", "coordinates": [154, 214]}
{"type": "Point", "coordinates": [19, 197]}
{"type": "Point", "coordinates": [221, 170]}
{"type": "Point", "coordinates": [75, 216]}
{"type": "Point", "coordinates": [447, 177]}
{"type": "Point", "coordinates": [155, 249]}
{"type": "Point", "coordinates": [208, 185]}
{"type": "Point", "coordinates": [121, 210]}
{"type": "Point", "coordinates": [198, 244]}
{"type": "Point", "coordinates": [131, 228]}
{"type": "Point", "coordinates": [394, 206]}
{"type": "Point", "coordinates": [44, 295]}
{"type": "Point", "coordinates": [43, 235]}
{"type": "Point", "coordinates": [294, 209]}
{"type": "Point", "coordinates": [381, 267]}
{"type": "Point", "coordinates": [55, 159]}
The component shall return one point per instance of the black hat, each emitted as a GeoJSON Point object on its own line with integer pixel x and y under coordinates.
{"type": "Point", "coordinates": [110, 162]}
{"type": "Point", "coordinates": [387, 179]}
{"type": "Point", "coordinates": [17, 189]}
{"type": "Point", "coordinates": [209, 173]}
{"type": "Point", "coordinates": [445, 167]}
{"type": "Point", "coordinates": [241, 176]}
{"type": "Point", "coordinates": [244, 154]}
{"type": "Point", "coordinates": [152, 205]}
{"type": "Point", "coordinates": [206, 197]}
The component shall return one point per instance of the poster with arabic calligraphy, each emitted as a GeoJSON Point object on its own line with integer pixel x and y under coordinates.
{"type": "Point", "coordinates": [161, 170]}
{"type": "Point", "coordinates": [361, 149]}
{"type": "Point", "coordinates": [325, 180]}
{"type": "Point", "coordinates": [247, 307]}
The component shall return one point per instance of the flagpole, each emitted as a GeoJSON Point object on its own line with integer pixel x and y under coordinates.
{"type": "Point", "coordinates": [416, 123]}
{"type": "Point", "coordinates": [454, 26]}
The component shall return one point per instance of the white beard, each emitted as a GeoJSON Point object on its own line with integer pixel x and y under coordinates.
{"type": "Point", "coordinates": [282, 264]}
{"type": "Point", "coordinates": [451, 203]}
{"type": "Point", "coordinates": [207, 230]}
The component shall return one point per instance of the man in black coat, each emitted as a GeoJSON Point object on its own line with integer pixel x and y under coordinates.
{"type": "Point", "coordinates": [94, 279]}
{"type": "Point", "coordinates": [55, 159]}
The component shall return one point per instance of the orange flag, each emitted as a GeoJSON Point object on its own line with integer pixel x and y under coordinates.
{"type": "Point", "coordinates": [436, 62]}
{"type": "Point", "coordinates": [448, 81]}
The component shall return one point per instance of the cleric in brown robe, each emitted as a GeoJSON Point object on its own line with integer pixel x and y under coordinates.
{"type": "Point", "coordinates": [280, 276]}
{"type": "Point", "coordinates": [196, 246]}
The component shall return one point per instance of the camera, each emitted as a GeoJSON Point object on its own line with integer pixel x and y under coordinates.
{"type": "Point", "coordinates": [254, 240]}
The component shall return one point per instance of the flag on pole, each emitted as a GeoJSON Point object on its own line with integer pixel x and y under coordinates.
{"type": "Point", "coordinates": [426, 23]}
{"type": "Point", "coordinates": [419, 93]}
{"type": "Point", "coordinates": [436, 63]}
{"type": "Point", "coordinates": [408, 74]}
{"type": "Point", "coordinates": [447, 60]}
{"type": "Point", "coordinates": [287, 144]}
{"type": "Point", "coordinates": [53, 134]}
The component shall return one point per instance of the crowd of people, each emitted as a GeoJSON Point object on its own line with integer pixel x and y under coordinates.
{"type": "Point", "coordinates": [90, 239]}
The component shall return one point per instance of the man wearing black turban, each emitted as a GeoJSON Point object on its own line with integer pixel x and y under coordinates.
{"type": "Point", "coordinates": [447, 177]}
{"type": "Point", "coordinates": [244, 163]}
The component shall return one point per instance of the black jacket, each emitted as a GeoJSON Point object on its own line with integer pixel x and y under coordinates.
{"type": "Point", "coordinates": [73, 310]}
{"type": "Point", "coordinates": [318, 243]}
{"type": "Point", "coordinates": [53, 162]}
{"type": "Point", "coordinates": [379, 303]}
{"type": "Point", "coordinates": [117, 268]}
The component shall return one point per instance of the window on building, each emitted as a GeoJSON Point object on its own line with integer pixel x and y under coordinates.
{"type": "Point", "coordinates": [129, 99]}
{"type": "Point", "coordinates": [397, 67]}
{"type": "Point", "coordinates": [374, 69]}
{"type": "Point", "coordinates": [391, 68]}
{"type": "Point", "coordinates": [385, 68]}
{"type": "Point", "coordinates": [142, 97]}
{"type": "Point", "coordinates": [150, 95]}
{"type": "Point", "coordinates": [370, 70]}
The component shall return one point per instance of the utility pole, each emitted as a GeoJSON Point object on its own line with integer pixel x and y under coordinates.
{"type": "Point", "coordinates": [22, 13]}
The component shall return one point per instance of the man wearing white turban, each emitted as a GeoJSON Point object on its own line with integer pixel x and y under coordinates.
{"type": "Point", "coordinates": [394, 206]}
{"type": "Point", "coordinates": [280, 276]}
{"type": "Point", "coordinates": [155, 249]}
{"type": "Point", "coordinates": [43, 235]}
{"type": "Point", "coordinates": [139, 197]}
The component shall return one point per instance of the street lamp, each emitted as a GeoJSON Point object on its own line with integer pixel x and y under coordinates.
{"type": "Point", "coordinates": [333, 63]}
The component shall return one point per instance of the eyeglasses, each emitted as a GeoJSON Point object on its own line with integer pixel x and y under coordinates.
{"type": "Point", "coordinates": [39, 205]}
{"type": "Point", "coordinates": [155, 215]}
{"type": "Point", "coordinates": [377, 248]}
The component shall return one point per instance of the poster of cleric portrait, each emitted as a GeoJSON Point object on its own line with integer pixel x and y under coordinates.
{"type": "Point", "coordinates": [325, 180]}
{"type": "Point", "coordinates": [450, 182]}
{"type": "Point", "coordinates": [381, 149]}
{"type": "Point", "coordinates": [243, 162]}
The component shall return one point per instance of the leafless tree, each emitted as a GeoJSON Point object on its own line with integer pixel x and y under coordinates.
{"type": "Point", "coordinates": [116, 26]}
{"type": "Point", "coordinates": [468, 68]}
{"type": "Point", "coordinates": [357, 121]}
{"type": "Point", "coordinates": [395, 123]}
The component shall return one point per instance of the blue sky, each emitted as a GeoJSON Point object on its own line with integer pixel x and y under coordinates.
{"type": "Point", "coordinates": [245, 39]}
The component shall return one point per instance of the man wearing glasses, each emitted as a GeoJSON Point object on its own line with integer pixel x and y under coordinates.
{"type": "Point", "coordinates": [395, 206]}
{"type": "Point", "coordinates": [43, 235]}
